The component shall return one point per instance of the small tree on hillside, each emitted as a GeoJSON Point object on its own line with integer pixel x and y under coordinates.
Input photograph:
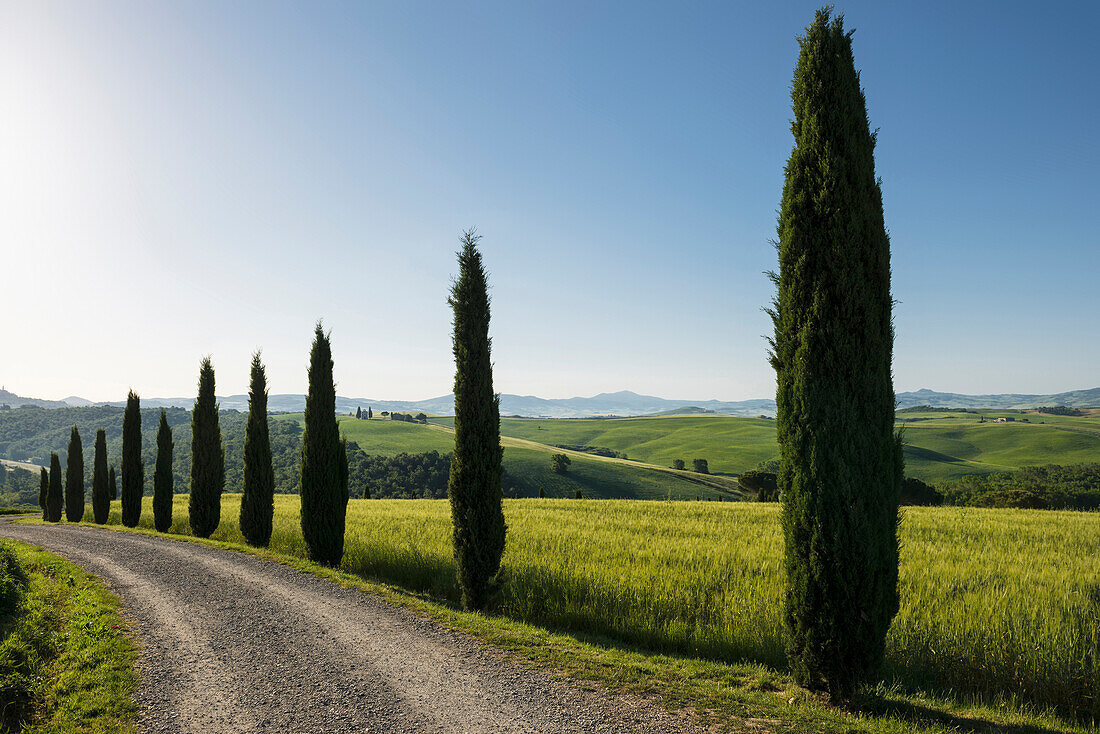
{"type": "Point", "coordinates": [475, 492]}
{"type": "Point", "coordinates": [207, 458]}
{"type": "Point", "coordinates": [162, 476]}
{"type": "Point", "coordinates": [324, 461]}
{"type": "Point", "coordinates": [700, 466]}
{"type": "Point", "coordinates": [559, 463]}
{"type": "Point", "coordinates": [133, 466]}
{"type": "Point", "coordinates": [43, 491]}
{"type": "Point", "coordinates": [74, 478]}
{"type": "Point", "coordinates": [370, 413]}
{"type": "Point", "coordinates": [678, 464]}
{"type": "Point", "coordinates": [841, 461]}
{"type": "Point", "coordinates": [358, 413]}
{"type": "Point", "coordinates": [258, 498]}
{"type": "Point", "coordinates": [55, 498]}
{"type": "Point", "coordinates": [101, 488]}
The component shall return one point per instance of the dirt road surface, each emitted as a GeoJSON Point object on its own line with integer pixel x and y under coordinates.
{"type": "Point", "coordinates": [231, 643]}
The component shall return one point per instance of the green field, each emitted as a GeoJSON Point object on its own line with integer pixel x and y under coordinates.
{"type": "Point", "coordinates": [527, 465]}
{"type": "Point", "coordinates": [938, 446]}
{"type": "Point", "coordinates": [997, 605]}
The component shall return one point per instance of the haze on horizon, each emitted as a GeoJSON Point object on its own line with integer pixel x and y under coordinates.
{"type": "Point", "coordinates": [181, 179]}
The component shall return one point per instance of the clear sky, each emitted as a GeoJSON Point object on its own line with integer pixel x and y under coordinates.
{"type": "Point", "coordinates": [190, 178]}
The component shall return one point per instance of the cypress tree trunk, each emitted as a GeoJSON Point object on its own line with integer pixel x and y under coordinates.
{"type": "Point", "coordinates": [162, 476]}
{"type": "Point", "coordinates": [133, 466]}
{"type": "Point", "coordinates": [324, 490]}
{"type": "Point", "coordinates": [477, 511]}
{"type": "Point", "coordinates": [54, 498]}
{"type": "Point", "coordinates": [112, 482]}
{"type": "Point", "coordinates": [101, 490]}
{"type": "Point", "coordinates": [207, 458]}
{"type": "Point", "coordinates": [43, 491]}
{"type": "Point", "coordinates": [841, 463]}
{"type": "Point", "coordinates": [258, 498]}
{"type": "Point", "coordinates": [74, 479]}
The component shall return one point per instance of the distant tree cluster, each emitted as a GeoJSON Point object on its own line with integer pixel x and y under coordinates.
{"type": "Point", "coordinates": [408, 417]}
{"type": "Point", "coordinates": [763, 484]}
{"type": "Point", "coordinates": [700, 466]}
{"type": "Point", "coordinates": [559, 463]}
{"type": "Point", "coordinates": [1053, 487]}
{"type": "Point", "coordinates": [405, 476]}
{"type": "Point", "coordinates": [1061, 410]}
{"type": "Point", "coordinates": [594, 450]}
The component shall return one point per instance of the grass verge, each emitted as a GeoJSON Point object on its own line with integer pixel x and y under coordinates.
{"type": "Point", "coordinates": [726, 697]}
{"type": "Point", "coordinates": [66, 664]}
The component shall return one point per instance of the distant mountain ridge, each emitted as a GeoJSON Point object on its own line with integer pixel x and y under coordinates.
{"type": "Point", "coordinates": [622, 403]}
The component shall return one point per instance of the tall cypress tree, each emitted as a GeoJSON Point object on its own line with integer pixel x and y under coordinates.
{"type": "Point", "coordinates": [258, 498]}
{"type": "Point", "coordinates": [112, 482]}
{"type": "Point", "coordinates": [101, 488]}
{"type": "Point", "coordinates": [74, 478]}
{"type": "Point", "coordinates": [55, 499]}
{"type": "Point", "coordinates": [324, 490]}
{"type": "Point", "coordinates": [162, 476]}
{"type": "Point", "coordinates": [133, 466]}
{"type": "Point", "coordinates": [43, 491]}
{"type": "Point", "coordinates": [477, 510]}
{"type": "Point", "coordinates": [207, 458]}
{"type": "Point", "coordinates": [841, 463]}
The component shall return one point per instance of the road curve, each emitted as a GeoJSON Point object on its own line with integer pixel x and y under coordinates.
{"type": "Point", "coordinates": [232, 643]}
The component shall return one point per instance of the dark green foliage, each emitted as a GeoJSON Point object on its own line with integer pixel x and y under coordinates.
{"type": "Point", "coordinates": [841, 463]}
{"type": "Point", "coordinates": [324, 461]}
{"type": "Point", "coordinates": [761, 483]}
{"type": "Point", "coordinates": [358, 413]}
{"type": "Point", "coordinates": [678, 464]}
{"type": "Point", "coordinates": [13, 584]}
{"type": "Point", "coordinates": [43, 490]}
{"type": "Point", "coordinates": [405, 476]}
{"type": "Point", "coordinates": [207, 458]}
{"type": "Point", "coordinates": [112, 482]}
{"type": "Point", "coordinates": [542, 493]}
{"type": "Point", "coordinates": [916, 492]}
{"type": "Point", "coordinates": [1061, 410]}
{"type": "Point", "coordinates": [162, 477]}
{"type": "Point", "coordinates": [1075, 487]}
{"type": "Point", "coordinates": [370, 413]}
{"type": "Point", "coordinates": [477, 509]}
{"type": "Point", "coordinates": [578, 495]}
{"type": "Point", "coordinates": [700, 466]}
{"type": "Point", "coordinates": [54, 498]}
{"type": "Point", "coordinates": [101, 480]}
{"type": "Point", "coordinates": [559, 463]}
{"type": "Point", "coordinates": [258, 500]}
{"type": "Point", "coordinates": [133, 466]}
{"type": "Point", "coordinates": [74, 479]}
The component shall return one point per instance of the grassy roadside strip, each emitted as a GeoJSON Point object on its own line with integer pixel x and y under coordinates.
{"type": "Point", "coordinates": [66, 664]}
{"type": "Point", "coordinates": [727, 697]}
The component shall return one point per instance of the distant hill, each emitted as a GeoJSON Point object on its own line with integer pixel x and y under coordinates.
{"type": "Point", "coordinates": [622, 403]}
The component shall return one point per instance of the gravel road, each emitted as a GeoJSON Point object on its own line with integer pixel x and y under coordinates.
{"type": "Point", "coordinates": [233, 643]}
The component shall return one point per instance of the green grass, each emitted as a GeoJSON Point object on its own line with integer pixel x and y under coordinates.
{"type": "Point", "coordinates": [999, 607]}
{"type": "Point", "coordinates": [527, 466]}
{"type": "Point", "coordinates": [939, 446]}
{"type": "Point", "coordinates": [66, 664]}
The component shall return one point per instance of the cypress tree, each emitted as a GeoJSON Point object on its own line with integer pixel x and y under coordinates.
{"type": "Point", "coordinates": [162, 476]}
{"type": "Point", "coordinates": [841, 464]}
{"type": "Point", "coordinates": [54, 498]}
{"type": "Point", "coordinates": [74, 478]}
{"type": "Point", "coordinates": [133, 465]}
{"type": "Point", "coordinates": [207, 458]}
{"type": "Point", "coordinates": [112, 482]}
{"type": "Point", "coordinates": [477, 510]}
{"type": "Point", "coordinates": [258, 498]}
{"type": "Point", "coordinates": [324, 461]}
{"type": "Point", "coordinates": [101, 488]}
{"type": "Point", "coordinates": [43, 491]}
{"type": "Point", "coordinates": [358, 413]}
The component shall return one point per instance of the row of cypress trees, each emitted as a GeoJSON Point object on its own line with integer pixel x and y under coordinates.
{"type": "Point", "coordinates": [54, 503]}
{"type": "Point", "coordinates": [832, 349]}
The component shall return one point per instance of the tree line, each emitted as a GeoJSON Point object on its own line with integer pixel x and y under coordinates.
{"type": "Point", "coordinates": [840, 469]}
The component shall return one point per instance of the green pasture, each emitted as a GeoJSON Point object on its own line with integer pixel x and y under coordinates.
{"type": "Point", "coordinates": [997, 606]}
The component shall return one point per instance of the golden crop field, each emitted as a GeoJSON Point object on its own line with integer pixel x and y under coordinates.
{"type": "Point", "coordinates": [1002, 605]}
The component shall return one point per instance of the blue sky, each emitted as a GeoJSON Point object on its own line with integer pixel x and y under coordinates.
{"type": "Point", "coordinates": [182, 179]}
